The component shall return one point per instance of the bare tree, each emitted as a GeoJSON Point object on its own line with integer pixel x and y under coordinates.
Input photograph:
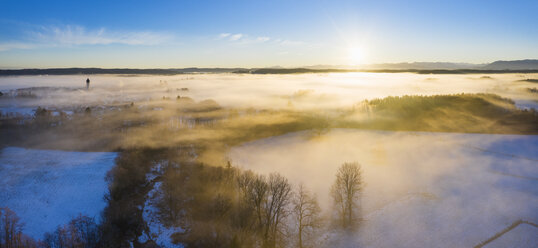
{"type": "Point", "coordinates": [268, 198]}
{"type": "Point", "coordinates": [306, 211]}
{"type": "Point", "coordinates": [11, 235]}
{"type": "Point", "coordinates": [82, 231]}
{"type": "Point", "coordinates": [278, 199]}
{"type": "Point", "coordinates": [254, 189]}
{"type": "Point", "coordinates": [10, 229]}
{"type": "Point", "coordinates": [346, 191]}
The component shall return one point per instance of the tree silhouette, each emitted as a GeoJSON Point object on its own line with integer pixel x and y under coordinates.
{"type": "Point", "coordinates": [346, 191]}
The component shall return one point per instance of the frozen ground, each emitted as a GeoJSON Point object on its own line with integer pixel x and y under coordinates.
{"type": "Point", "coordinates": [523, 236]}
{"type": "Point", "coordinates": [422, 189]}
{"type": "Point", "coordinates": [155, 230]}
{"type": "Point", "coordinates": [47, 188]}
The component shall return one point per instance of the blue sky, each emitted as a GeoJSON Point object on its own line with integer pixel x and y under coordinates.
{"type": "Point", "coordinates": [152, 34]}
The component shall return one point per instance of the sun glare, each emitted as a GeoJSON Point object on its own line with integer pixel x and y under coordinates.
{"type": "Point", "coordinates": [355, 56]}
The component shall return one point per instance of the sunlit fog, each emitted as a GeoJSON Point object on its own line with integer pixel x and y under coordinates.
{"type": "Point", "coordinates": [268, 124]}
{"type": "Point", "coordinates": [306, 91]}
{"type": "Point", "coordinates": [436, 155]}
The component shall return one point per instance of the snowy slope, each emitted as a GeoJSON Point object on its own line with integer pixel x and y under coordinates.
{"type": "Point", "coordinates": [47, 188]}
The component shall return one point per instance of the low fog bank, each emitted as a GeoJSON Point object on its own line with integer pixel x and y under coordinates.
{"type": "Point", "coordinates": [308, 91]}
{"type": "Point", "coordinates": [422, 189]}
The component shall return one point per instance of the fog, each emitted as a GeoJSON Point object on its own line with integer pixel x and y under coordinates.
{"type": "Point", "coordinates": [422, 189]}
{"type": "Point", "coordinates": [303, 91]}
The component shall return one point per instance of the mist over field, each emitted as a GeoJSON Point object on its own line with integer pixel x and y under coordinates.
{"type": "Point", "coordinates": [437, 186]}
{"type": "Point", "coordinates": [305, 91]}
{"type": "Point", "coordinates": [439, 155]}
{"type": "Point", "coordinates": [268, 124]}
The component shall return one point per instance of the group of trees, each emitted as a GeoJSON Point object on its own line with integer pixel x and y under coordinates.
{"type": "Point", "coordinates": [11, 235]}
{"type": "Point", "coordinates": [267, 199]}
{"type": "Point", "coordinates": [82, 231]}
{"type": "Point", "coordinates": [228, 207]}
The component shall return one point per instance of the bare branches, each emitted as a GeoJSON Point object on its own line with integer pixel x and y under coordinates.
{"type": "Point", "coordinates": [306, 211]}
{"type": "Point", "coordinates": [11, 235]}
{"type": "Point", "coordinates": [346, 191]}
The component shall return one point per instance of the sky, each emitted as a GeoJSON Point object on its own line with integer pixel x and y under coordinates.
{"type": "Point", "coordinates": [177, 34]}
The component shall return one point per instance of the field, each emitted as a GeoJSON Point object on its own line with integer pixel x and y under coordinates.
{"type": "Point", "coordinates": [48, 188]}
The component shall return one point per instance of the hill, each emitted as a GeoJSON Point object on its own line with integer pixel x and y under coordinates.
{"type": "Point", "coordinates": [527, 64]}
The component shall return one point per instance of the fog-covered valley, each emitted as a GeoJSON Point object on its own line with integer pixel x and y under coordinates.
{"type": "Point", "coordinates": [303, 91]}
{"type": "Point", "coordinates": [445, 160]}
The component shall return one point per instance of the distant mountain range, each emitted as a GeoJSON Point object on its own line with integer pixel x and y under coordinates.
{"type": "Point", "coordinates": [76, 71]}
{"type": "Point", "coordinates": [402, 66]}
{"type": "Point", "coordinates": [519, 66]}
{"type": "Point", "coordinates": [528, 64]}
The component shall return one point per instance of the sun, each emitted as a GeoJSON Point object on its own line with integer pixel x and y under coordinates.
{"type": "Point", "coordinates": [355, 55]}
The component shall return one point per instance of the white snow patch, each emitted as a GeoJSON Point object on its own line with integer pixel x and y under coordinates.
{"type": "Point", "coordinates": [11, 110]}
{"type": "Point", "coordinates": [156, 231]}
{"type": "Point", "coordinates": [47, 188]}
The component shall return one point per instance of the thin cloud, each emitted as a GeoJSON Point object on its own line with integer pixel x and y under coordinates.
{"type": "Point", "coordinates": [73, 35]}
{"type": "Point", "coordinates": [245, 39]}
{"type": "Point", "coordinates": [240, 38]}
{"type": "Point", "coordinates": [262, 39]}
{"type": "Point", "coordinates": [16, 45]}
{"type": "Point", "coordinates": [236, 37]}
{"type": "Point", "coordinates": [224, 35]}
{"type": "Point", "coordinates": [291, 43]}
{"type": "Point", "coordinates": [77, 35]}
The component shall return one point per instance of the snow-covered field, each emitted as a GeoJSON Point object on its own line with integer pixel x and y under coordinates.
{"type": "Point", "coordinates": [47, 188]}
{"type": "Point", "coordinates": [422, 189]}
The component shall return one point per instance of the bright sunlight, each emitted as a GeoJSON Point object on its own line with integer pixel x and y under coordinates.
{"type": "Point", "coordinates": [356, 55]}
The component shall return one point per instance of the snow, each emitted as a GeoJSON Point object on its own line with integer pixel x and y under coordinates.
{"type": "Point", "coordinates": [156, 231]}
{"type": "Point", "coordinates": [25, 111]}
{"type": "Point", "coordinates": [527, 104]}
{"type": "Point", "coordinates": [421, 189]}
{"type": "Point", "coordinates": [47, 188]}
{"type": "Point", "coordinates": [522, 236]}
